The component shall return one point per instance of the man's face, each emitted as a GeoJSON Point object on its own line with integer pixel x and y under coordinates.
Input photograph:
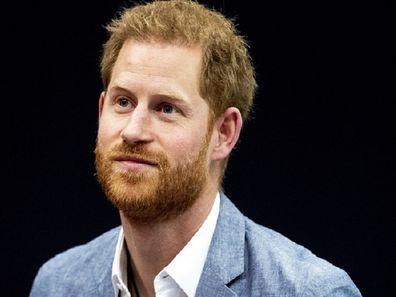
{"type": "Point", "coordinates": [152, 145]}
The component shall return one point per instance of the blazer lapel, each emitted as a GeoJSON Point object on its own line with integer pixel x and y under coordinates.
{"type": "Point", "coordinates": [225, 260]}
{"type": "Point", "coordinates": [212, 285]}
{"type": "Point", "coordinates": [102, 275]}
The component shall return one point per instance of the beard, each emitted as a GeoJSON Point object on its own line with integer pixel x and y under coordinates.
{"type": "Point", "coordinates": [157, 194]}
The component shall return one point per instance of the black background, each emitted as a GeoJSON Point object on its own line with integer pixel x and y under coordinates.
{"type": "Point", "coordinates": [316, 161]}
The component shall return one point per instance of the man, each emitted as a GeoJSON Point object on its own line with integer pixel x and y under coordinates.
{"type": "Point", "coordinates": [178, 84]}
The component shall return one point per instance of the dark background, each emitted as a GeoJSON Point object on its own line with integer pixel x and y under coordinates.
{"type": "Point", "coordinates": [316, 162]}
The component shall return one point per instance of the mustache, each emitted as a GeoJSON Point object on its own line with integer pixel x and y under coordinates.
{"type": "Point", "coordinates": [138, 151]}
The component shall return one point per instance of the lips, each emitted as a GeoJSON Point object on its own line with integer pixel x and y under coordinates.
{"type": "Point", "coordinates": [134, 160]}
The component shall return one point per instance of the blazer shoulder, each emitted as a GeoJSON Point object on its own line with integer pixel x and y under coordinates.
{"type": "Point", "coordinates": [293, 266]}
{"type": "Point", "coordinates": [79, 268]}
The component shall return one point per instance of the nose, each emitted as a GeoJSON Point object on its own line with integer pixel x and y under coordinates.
{"type": "Point", "coordinates": [138, 127]}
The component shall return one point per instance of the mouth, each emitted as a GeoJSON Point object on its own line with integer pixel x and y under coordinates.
{"type": "Point", "coordinates": [133, 162]}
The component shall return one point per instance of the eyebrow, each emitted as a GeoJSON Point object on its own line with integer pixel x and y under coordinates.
{"type": "Point", "coordinates": [174, 96]}
{"type": "Point", "coordinates": [118, 89]}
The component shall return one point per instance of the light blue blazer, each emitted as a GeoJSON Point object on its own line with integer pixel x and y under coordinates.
{"type": "Point", "coordinates": [244, 259]}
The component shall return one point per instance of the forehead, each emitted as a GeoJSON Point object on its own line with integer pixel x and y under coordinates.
{"type": "Point", "coordinates": [160, 61]}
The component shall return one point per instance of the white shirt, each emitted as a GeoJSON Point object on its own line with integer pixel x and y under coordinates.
{"type": "Point", "coordinates": [180, 278]}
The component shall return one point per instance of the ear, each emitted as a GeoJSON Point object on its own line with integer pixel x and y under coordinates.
{"type": "Point", "coordinates": [228, 128]}
{"type": "Point", "coordinates": [101, 102]}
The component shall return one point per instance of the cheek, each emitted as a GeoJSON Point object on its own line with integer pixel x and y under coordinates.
{"type": "Point", "coordinates": [185, 147]}
{"type": "Point", "coordinates": [108, 131]}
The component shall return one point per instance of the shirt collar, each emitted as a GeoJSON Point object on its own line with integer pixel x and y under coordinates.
{"type": "Point", "coordinates": [119, 269]}
{"type": "Point", "coordinates": [185, 269]}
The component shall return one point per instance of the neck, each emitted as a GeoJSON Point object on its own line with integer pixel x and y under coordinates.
{"type": "Point", "coordinates": [152, 247]}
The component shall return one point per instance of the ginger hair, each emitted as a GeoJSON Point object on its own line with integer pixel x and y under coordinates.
{"type": "Point", "coordinates": [227, 76]}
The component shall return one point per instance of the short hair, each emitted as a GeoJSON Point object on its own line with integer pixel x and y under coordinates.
{"type": "Point", "coordinates": [227, 76]}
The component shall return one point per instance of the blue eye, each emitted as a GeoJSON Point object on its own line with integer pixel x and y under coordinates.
{"type": "Point", "coordinates": [167, 108]}
{"type": "Point", "coordinates": [123, 102]}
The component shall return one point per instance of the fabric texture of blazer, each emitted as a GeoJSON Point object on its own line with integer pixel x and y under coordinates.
{"type": "Point", "coordinates": [244, 259]}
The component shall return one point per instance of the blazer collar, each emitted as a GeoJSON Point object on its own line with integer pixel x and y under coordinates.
{"type": "Point", "coordinates": [225, 260]}
{"type": "Point", "coordinates": [224, 263]}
